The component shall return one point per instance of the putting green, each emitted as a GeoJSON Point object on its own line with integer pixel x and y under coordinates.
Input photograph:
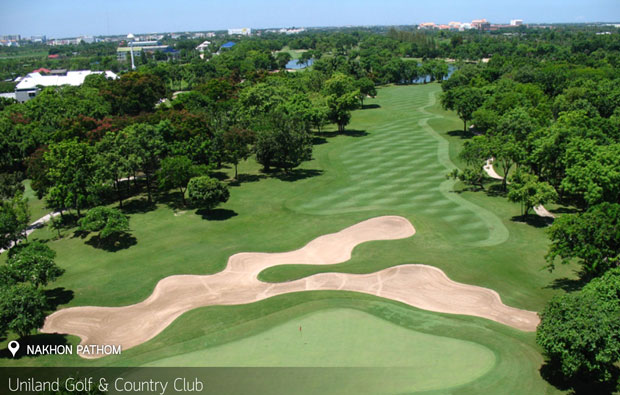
{"type": "Point", "coordinates": [351, 338]}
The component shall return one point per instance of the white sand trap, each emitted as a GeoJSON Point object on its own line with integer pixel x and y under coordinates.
{"type": "Point", "coordinates": [421, 286]}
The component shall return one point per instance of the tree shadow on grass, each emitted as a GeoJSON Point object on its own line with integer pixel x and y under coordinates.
{"type": "Point", "coordinates": [242, 178]}
{"type": "Point", "coordinates": [347, 132]}
{"type": "Point", "coordinates": [460, 133]}
{"type": "Point", "coordinates": [495, 189]}
{"type": "Point", "coordinates": [533, 220]}
{"type": "Point", "coordinates": [568, 284]}
{"type": "Point", "coordinates": [317, 140]}
{"type": "Point", "coordinates": [138, 206]}
{"type": "Point", "coordinates": [370, 106]}
{"type": "Point", "coordinates": [82, 234]}
{"type": "Point", "coordinates": [565, 210]}
{"type": "Point", "coordinates": [122, 242]}
{"type": "Point", "coordinates": [297, 174]}
{"type": "Point", "coordinates": [552, 374]}
{"type": "Point", "coordinates": [57, 296]}
{"type": "Point", "coordinates": [218, 214]}
{"type": "Point", "coordinates": [173, 200]}
{"type": "Point", "coordinates": [43, 339]}
{"type": "Point", "coordinates": [220, 175]}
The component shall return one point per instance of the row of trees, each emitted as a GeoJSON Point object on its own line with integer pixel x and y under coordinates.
{"type": "Point", "coordinates": [553, 130]}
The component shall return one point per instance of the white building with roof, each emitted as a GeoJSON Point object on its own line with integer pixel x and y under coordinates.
{"type": "Point", "coordinates": [29, 86]}
{"type": "Point", "coordinates": [244, 31]}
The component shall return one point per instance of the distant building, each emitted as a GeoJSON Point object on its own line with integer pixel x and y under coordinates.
{"type": "Point", "coordinates": [427, 25]}
{"type": "Point", "coordinates": [29, 86]}
{"type": "Point", "coordinates": [245, 31]}
{"type": "Point", "coordinates": [227, 45]}
{"type": "Point", "coordinates": [291, 31]}
{"type": "Point", "coordinates": [38, 39]}
{"type": "Point", "coordinates": [203, 46]}
{"type": "Point", "coordinates": [11, 37]}
{"type": "Point", "coordinates": [86, 39]}
{"type": "Point", "coordinates": [516, 22]}
{"type": "Point", "coordinates": [480, 24]}
{"type": "Point", "coordinates": [122, 53]}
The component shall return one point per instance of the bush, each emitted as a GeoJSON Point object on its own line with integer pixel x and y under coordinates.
{"type": "Point", "coordinates": [207, 192]}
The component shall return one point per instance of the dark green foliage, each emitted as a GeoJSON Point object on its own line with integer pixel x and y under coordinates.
{"type": "Point", "coordinates": [592, 237]}
{"type": "Point", "coordinates": [22, 309]}
{"type": "Point", "coordinates": [109, 222]}
{"type": "Point", "coordinates": [175, 172]}
{"type": "Point", "coordinates": [237, 145]}
{"type": "Point", "coordinates": [527, 190]}
{"type": "Point", "coordinates": [206, 192]}
{"type": "Point", "coordinates": [32, 262]}
{"type": "Point", "coordinates": [14, 219]}
{"type": "Point", "coordinates": [580, 332]}
{"type": "Point", "coordinates": [282, 143]}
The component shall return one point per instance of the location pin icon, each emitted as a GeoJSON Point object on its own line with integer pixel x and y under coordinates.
{"type": "Point", "coordinates": [13, 347]}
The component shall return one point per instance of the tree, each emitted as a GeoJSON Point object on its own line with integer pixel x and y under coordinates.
{"type": "Point", "coordinates": [33, 262]}
{"type": "Point", "coordinates": [109, 222]}
{"type": "Point", "coordinates": [237, 145]}
{"type": "Point", "coordinates": [464, 100]}
{"type": "Point", "coordinates": [146, 145]}
{"type": "Point", "coordinates": [175, 172]}
{"type": "Point", "coordinates": [282, 58]}
{"type": "Point", "coordinates": [112, 161]}
{"type": "Point", "coordinates": [525, 188]}
{"type": "Point", "coordinates": [14, 220]}
{"type": "Point", "coordinates": [471, 176]}
{"type": "Point", "coordinates": [318, 111]}
{"type": "Point", "coordinates": [367, 88]}
{"type": "Point", "coordinates": [580, 332]}
{"type": "Point", "coordinates": [282, 141]}
{"type": "Point", "coordinates": [70, 171]}
{"type": "Point", "coordinates": [342, 98]}
{"type": "Point", "coordinates": [593, 237]}
{"type": "Point", "coordinates": [134, 93]}
{"type": "Point", "coordinates": [22, 309]}
{"type": "Point", "coordinates": [506, 151]}
{"type": "Point", "coordinates": [592, 172]}
{"type": "Point", "coordinates": [207, 192]}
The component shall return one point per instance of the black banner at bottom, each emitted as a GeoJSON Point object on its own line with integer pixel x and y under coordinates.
{"type": "Point", "coordinates": [248, 380]}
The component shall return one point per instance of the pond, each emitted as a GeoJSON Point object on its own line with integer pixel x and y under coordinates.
{"type": "Point", "coordinates": [293, 65]}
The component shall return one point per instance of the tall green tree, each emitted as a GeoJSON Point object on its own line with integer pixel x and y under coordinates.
{"type": "Point", "coordinates": [526, 189]}
{"type": "Point", "coordinates": [237, 145]}
{"type": "Point", "coordinates": [367, 88]}
{"type": "Point", "coordinates": [591, 237]}
{"type": "Point", "coordinates": [146, 145]}
{"type": "Point", "coordinates": [14, 220]}
{"type": "Point", "coordinates": [32, 262]}
{"type": "Point", "coordinates": [580, 332]}
{"type": "Point", "coordinates": [70, 171]}
{"type": "Point", "coordinates": [342, 98]}
{"type": "Point", "coordinates": [464, 100]}
{"type": "Point", "coordinates": [22, 309]}
{"type": "Point", "coordinates": [175, 172]}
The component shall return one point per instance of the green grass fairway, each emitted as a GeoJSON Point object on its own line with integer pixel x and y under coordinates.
{"type": "Point", "coordinates": [391, 161]}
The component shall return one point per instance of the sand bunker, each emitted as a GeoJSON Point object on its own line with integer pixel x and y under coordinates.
{"type": "Point", "coordinates": [421, 286]}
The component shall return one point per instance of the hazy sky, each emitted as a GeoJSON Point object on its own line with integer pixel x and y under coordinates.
{"type": "Point", "coordinates": [65, 18]}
